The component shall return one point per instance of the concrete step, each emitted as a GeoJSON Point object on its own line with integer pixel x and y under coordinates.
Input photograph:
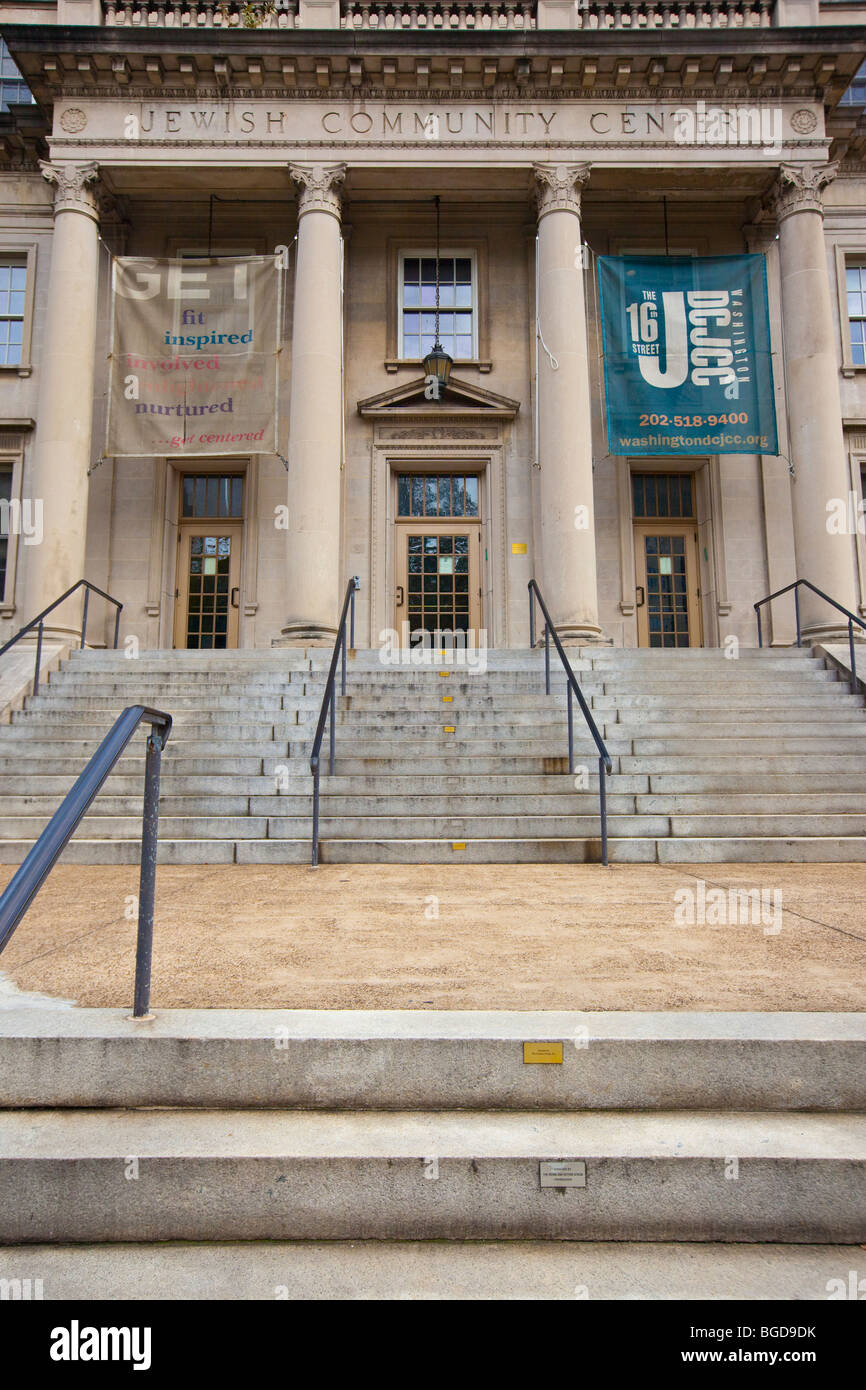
{"type": "Point", "coordinates": [815, 762]}
{"type": "Point", "coordinates": [736, 803]}
{"type": "Point", "coordinates": [419, 1270]}
{"type": "Point", "coordinates": [99, 825]}
{"type": "Point", "coordinates": [356, 1059]}
{"type": "Point", "coordinates": [307, 1175]}
{"type": "Point", "coordinates": [407, 850]}
{"type": "Point", "coordinates": [454, 827]}
{"type": "Point", "coordinates": [763, 850]}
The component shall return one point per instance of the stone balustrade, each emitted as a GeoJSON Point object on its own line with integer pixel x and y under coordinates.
{"type": "Point", "coordinates": [446, 14]}
{"type": "Point", "coordinates": [489, 15]}
{"type": "Point", "coordinates": [672, 14]}
{"type": "Point", "coordinates": [201, 14]}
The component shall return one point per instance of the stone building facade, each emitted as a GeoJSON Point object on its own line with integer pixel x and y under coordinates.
{"type": "Point", "coordinates": [548, 131]}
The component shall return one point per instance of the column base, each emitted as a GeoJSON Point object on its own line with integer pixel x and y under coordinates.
{"type": "Point", "coordinates": [578, 635]}
{"type": "Point", "coordinates": [828, 632]}
{"type": "Point", "coordinates": [305, 634]}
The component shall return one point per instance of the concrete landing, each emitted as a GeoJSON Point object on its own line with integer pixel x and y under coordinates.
{"type": "Point", "coordinates": [453, 936]}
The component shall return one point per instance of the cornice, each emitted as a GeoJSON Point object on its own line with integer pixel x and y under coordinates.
{"type": "Point", "coordinates": [557, 42]}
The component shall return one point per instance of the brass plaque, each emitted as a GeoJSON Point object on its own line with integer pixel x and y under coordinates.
{"type": "Point", "coordinates": [449, 729]}
{"type": "Point", "coordinates": [456, 845]}
{"type": "Point", "coordinates": [444, 673]}
{"type": "Point", "coordinates": [518, 547]}
{"type": "Point", "coordinates": [447, 699]}
{"type": "Point", "coordinates": [537, 1052]}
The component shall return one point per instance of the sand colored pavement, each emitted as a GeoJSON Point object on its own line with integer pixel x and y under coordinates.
{"type": "Point", "coordinates": [461, 937]}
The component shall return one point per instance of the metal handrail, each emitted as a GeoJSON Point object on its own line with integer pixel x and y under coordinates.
{"type": "Point", "coordinates": [604, 762]}
{"type": "Point", "coordinates": [40, 621]}
{"type": "Point", "coordinates": [329, 703]}
{"type": "Point", "coordinates": [32, 873]}
{"type": "Point", "coordinates": [852, 618]}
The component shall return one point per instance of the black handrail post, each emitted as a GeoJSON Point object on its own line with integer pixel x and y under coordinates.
{"type": "Point", "coordinates": [116, 625]}
{"type": "Point", "coordinates": [853, 657]}
{"type": "Point", "coordinates": [531, 619]}
{"type": "Point", "coordinates": [797, 615]}
{"type": "Point", "coordinates": [84, 618]}
{"type": "Point", "coordinates": [570, 731]}
{"type": "Point", "coordinates": [316, 814]}
{"type": "Point", "coordinates": [38, 660]}
{"type": "Point", "coordinates": [332, 731]}
{"type": "Point", "coordinates": [147, 880]}
{"type": "Point", "coordinates": [602, 802]}
{"type": "Point", "coordinates": [547, 658]}
{"type": "Point", "coordinates": [758, 616]}
{"type": "Point", "coordinates": [351, 629]}
{"type": "Point", "coordinates": [328, 709]}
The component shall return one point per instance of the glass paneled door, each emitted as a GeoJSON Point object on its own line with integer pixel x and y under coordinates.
{"type": "Point", "coordinates": [438, 578]}
{"type": "Point", "coordinates": [667, 577]}
{"type": "Point", "coordinates": [209, 586]}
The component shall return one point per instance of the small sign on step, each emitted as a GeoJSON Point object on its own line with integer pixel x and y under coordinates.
{"type": "Point", "coordinates": [535, 1053]}
{"type": "Point", "coordinates": [562, 1172]}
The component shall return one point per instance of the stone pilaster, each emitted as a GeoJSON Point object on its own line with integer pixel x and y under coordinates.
{"type": "Point", "coordinates": [816, 441]}
{"type": "Point", "coordinates": [567, 561]}
{"type": "Point", "coordinates": [316, 410]}
{"type": "Point", "coordinates": [62, 454]}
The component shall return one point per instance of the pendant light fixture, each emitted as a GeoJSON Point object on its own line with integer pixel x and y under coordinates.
{"type": "Point", "coordinates": [437, 363]}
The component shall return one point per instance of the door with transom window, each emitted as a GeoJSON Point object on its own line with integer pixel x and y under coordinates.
{"type": "Point", "coordinates": [210, 533]}
{"type": "Point", "coordinates": [438, 571]}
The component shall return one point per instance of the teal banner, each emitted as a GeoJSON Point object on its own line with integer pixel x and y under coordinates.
{"type": "Point", "coordinates": [687, 367]}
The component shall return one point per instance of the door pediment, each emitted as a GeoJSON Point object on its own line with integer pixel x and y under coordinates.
{"type": "Point", "coordinates": [459, 397]}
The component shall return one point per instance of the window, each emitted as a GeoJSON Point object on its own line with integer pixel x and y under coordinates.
{"type": "Point", "coordinates": [13, 88]}
{"type": "Point", "coordinates": [458, 309]}
{"type": "Point", "coordinates": [212, 495]}
{"type": "Point", "coordinates": [5, 495]}
{"type": "Point", "coordinates": [662, 494]}
{"type": "Point", "coordinates": [855, 284]}
{"type": "Point", "coordinates": [856, 93]}
{"type": "Point", "coordinates": [13, 295]}
{"type": "Point", "coordinates": [439, 494]}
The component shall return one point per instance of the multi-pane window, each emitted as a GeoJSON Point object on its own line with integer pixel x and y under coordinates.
{"type": "Point", "coordinates": [439, 494]}
{"type": "Point", "coordinates": [855, 284]}
{"type": "Point", "coordinates": [13, 288]}
{"type": "Point", "coordinates": [212, 495]}
{"type": "Point", "coordinates": [13, 88]}
{"type": "Point", "coordinates": [856, 93]}
{"type": "Point", "coordinates": [457, 306]}
{"type": "Point", "coordinates": [663, 494]}
{"type": "Point", "coordinates": [5, 495]}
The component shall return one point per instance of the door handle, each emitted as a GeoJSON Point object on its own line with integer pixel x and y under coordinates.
{"type": "Point", "coordinates": [400, 596]}
{"type": "Point", "coordinates": [639, 589]}
{"type": "Point", "coordinates": [235, 595]}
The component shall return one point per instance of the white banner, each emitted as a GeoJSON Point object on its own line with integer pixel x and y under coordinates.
{"type": "Point", "coordinates": [194, 356]}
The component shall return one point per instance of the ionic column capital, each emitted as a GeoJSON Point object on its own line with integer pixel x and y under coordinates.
{"type": "Point", "coordinates": [799, 188]}
{"type": "Point", "coordinates": [72, 191]}
{"type": "Point", "coordinates": [320, 187]}
{"type": "Point", "coordinates": [559, 187]}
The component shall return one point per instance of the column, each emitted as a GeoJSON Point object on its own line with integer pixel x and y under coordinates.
{"type": "Point", "coordinates": [568, 575]}
{"type": "Point", "coordinates": [62, 454]}
{"type": "Point", "coordinates": [816, 441]}
{"type": "Point", "coordinates": [316, 410]}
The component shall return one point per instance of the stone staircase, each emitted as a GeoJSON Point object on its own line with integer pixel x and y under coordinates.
{"type": "Point", "coordinates": [761, 758]}
{"type": "Point", "coordinates": [262, 1126]}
